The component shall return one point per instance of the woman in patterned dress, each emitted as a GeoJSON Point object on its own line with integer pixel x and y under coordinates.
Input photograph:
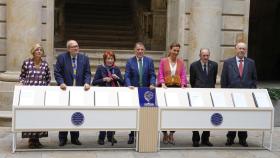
{"type": "Point", "coordinates": [35, 72]}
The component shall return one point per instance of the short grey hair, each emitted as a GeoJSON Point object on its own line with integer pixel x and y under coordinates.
{"type": "Point", "coordinates": [204, 49]}
{"type": "Point", "coordinates": [68, 43]}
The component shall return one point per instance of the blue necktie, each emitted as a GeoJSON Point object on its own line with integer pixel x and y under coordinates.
{"type": "Point", "coordinates": [204, 69]}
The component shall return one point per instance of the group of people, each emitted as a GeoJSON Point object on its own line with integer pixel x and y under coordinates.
{"type": "Point", "coordinates": [73, 69]}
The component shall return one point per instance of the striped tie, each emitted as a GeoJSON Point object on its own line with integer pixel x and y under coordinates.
{"type": "Point", "coordinates": [74, 65]}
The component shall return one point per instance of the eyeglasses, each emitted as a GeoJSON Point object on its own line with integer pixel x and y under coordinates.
{"type": "Point", "coordinates": [75, 46]}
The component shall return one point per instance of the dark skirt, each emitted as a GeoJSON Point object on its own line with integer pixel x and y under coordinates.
{"type": "Point", "coordinates": [33, 135]}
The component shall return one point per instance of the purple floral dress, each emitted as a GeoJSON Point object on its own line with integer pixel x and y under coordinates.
{"type": "Point", "coordinates": [32, 76]}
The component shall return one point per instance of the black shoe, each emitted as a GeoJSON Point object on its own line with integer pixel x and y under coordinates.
{"type": "Point", "coordinates": [101, 141]}
{"type": "Point", "coordinates": [112, 140]}
{"type": "Point", "coordinates": [207, 143]}
{"type": "Point", "coordinates": [243, 143]}
{"type": "Point", "coordinates": [229, 142]}
{"type": "Point", "coordinates": [130, 140]}
{"type": "Point", "coordinates": [62, 142]}
{"type": "Point", "coordinates": [76, 142]}
{"type": "Point", "coordinates": [195, 144]}
{"type": "Point", "coordinates": [38, 144]}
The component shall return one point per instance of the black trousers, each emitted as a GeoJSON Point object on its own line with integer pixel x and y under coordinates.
{"type": "Point", "coordinates": [63, 135]}
{"type": "Point", "coordinates": [131, 134]}
{"type": "Point", "coordinates": [165, 132]}
{"type": "Point", "coordinates": [242, 135]}
{"type": "Point", "coordinates": [102, 135]}
{"type": "Point", "coordinates": [204, 137]}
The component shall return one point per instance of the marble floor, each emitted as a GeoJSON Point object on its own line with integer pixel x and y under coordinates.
{"type": "Point", "coordinates": [182, 148]}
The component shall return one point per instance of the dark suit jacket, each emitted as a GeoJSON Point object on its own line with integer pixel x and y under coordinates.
{"type": "Point", "coordinates": [102, 72]}
{"type": "Point", "coordinates": [198, 79]}
{"type": "Point", "coordinates": [230, 77]}
{"type": "Point", "coordinates": [132, 76]}
{"type": "Point", "coordinates": [63, 72]}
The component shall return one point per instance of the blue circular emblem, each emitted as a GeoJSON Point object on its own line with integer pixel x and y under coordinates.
{"type": "Point", "coordinates": [216, 119]}
{"type": "Point", "coordinates": [77, 118]}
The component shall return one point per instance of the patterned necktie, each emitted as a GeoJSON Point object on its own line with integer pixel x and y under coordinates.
{"type": "Point", "coordinates": [204, 69]}
{"type": "Point", "coordinates": [240, 67]}
{"type": "Point", "coordinates": [140, 72]}
{"type": "Point", "coordinates": [74, 65]}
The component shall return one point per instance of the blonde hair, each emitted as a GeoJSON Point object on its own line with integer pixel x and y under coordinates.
{"type": "Point", "coordinates": [36, 46]}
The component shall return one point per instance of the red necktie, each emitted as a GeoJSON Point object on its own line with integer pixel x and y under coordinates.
{"type": "Point", "coordinates": [240, 66]}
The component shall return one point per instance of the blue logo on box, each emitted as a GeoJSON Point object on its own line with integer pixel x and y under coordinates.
{"type": "Point", "coordinates": [77, 118]}
{"type": "Point", "coordinates": [146, 97]}
{"type": "Point", "coordinates": [216, 119]}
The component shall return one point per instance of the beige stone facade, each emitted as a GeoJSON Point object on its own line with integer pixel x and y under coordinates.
{"type": "Point", "coordinates": [214, 24]}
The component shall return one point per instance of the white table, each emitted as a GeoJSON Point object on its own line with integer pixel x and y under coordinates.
{"type": "Point", "coordinates": [48, 108]}
{"type": "Point", "coordinates": [192, 109]}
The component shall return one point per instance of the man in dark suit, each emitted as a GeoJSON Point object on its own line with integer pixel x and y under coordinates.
{"type": "Point", "coordinates": [139, 72]}
{"type": "Point", "coordinates": [239, 72]}
{"type": "Point", "coordinates": [203, 74]}
{"type": "Point", "coordinates": [72, 69]}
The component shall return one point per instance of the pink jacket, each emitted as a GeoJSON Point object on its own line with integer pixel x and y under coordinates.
{"type": "Point", "coordinates": [164, 70]}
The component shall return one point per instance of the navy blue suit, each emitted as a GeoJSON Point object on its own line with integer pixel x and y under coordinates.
{"type": "Point", "coordinates": [63, 73]}
{"type": "Point", "coordinates": [230, 78]}
{"type": "Point", "coordinates": [132, 73]}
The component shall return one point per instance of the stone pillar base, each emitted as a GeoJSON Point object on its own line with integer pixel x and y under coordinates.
{"type": "Point", "coordinates": [9, 76]}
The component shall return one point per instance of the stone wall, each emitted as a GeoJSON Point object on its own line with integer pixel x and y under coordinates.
{"type": "Point", "coordinates": [46, 37]}
{"type": "Point", "coordinates": [234, 21]}
{"type": "Point", "coordinates": [2, 35]}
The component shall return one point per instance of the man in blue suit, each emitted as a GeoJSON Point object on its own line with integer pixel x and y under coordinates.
{"type": "Point", "coordinates": [139, 72]}
{"type": "Point", "coordinates": [72, 69]}
{"type": "Point", "coordinates": [239, 72]}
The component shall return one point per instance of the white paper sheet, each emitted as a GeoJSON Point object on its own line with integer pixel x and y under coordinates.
{"type": "Point", "coordinates": [106, 98]}
{"type": "Point", "coordinates": [56, 97]}
{"type": "Point", "coordinates": [128, 98]}
{"type": "Point", "coordinates": [196, 99]}
{"type": "Point", "coordinates": [261, 99]}
{"type": "Point", "coordinates": [80, 97]}
{"type": "Point", "coordinates": [239, 100]}
{"type": "Point", "coordinates": [219, 99]}
{"type": "Point", "coordinates": [174, 99]}
{"type": "Point", "coordinates": [27, 97]}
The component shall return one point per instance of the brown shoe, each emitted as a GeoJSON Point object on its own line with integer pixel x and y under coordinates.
{"type": "Point", "coordinates": [171, 139]}
{"type": "Point", "coordinates": [165, 138]}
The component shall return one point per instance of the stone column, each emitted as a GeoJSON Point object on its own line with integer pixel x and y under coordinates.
{"type": "Point", "coordinates": [176, 24]}
{"type": "Point", "coordinates": [24, 22]}
{"type": "Point", "coordinates": [205, 28]}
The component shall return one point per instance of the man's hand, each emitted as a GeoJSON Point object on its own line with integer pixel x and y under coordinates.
{"type": "Point", "coordinates": [86, 87]}
{"type": "Point", "coordinates": [63, 86]}
{"type": "Point", "coordinates": [152, 87]}
{"type": "Point", "coordinates": [131, 87]}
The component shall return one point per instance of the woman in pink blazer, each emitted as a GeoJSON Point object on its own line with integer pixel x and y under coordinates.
{"type": "Point", "coordinates": [172, 73]}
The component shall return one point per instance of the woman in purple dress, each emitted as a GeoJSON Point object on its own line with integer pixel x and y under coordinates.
{"type": "Point", "coordinates": [35, 72]}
